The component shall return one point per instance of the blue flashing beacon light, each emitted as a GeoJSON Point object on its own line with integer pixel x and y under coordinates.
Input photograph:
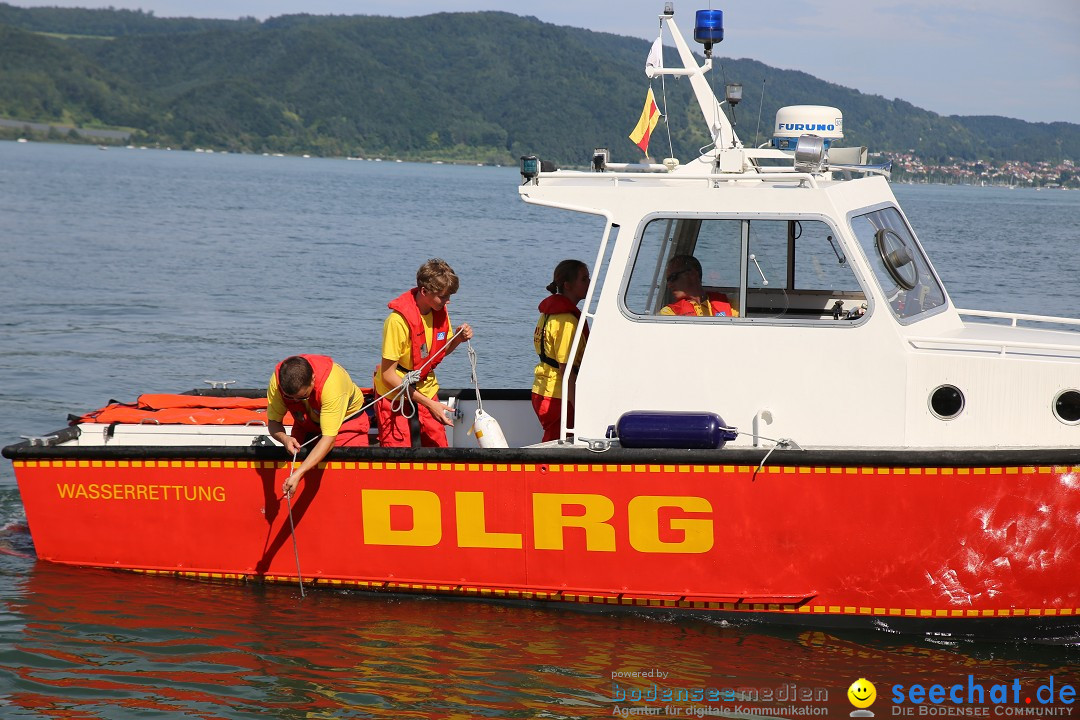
{"type": "Point", "coordinates": [709, 28]}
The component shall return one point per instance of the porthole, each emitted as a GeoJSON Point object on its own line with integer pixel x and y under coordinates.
{"type": "Point", "coordinates": [1067, 407]}
{"type": "Point", "coordinates": [946, 402]}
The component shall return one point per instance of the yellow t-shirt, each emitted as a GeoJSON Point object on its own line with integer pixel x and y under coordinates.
{"type": "Point", "coordinates": [557, 337]}
{"type": "Point", "coordinates": [701, 309]}
{"type": "Point", "coordinates": [397, 346]}
{"type": "Point", "coordinates": [340, 398]}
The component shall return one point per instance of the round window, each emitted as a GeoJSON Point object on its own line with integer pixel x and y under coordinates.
{"type": "Point", "coordinates": [1067, 407]}
{"type": "Point", "coordinates": [946, 402]}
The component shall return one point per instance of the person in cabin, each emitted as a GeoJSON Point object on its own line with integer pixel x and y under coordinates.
{"type": "Point", "coordinates": [323, 400]}
{"type": "Point", "coordinates": [559, 317]}
{"type": "Point", "coordinates": [683, 275]}
{"type": "Point", "coordinates": [417, 336]}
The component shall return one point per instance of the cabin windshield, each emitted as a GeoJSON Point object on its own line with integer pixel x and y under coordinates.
{"type": "Point", "coordinates": [899, 264]}
{"type": "Point", "coordinates": [764, 269]}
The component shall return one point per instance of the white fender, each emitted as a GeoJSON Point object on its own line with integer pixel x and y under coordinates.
{"type": "Point", "coordinates": [487, 431]}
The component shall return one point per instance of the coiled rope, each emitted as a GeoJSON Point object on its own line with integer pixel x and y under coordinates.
{"type": "Point", "coordinates": [404, 403]}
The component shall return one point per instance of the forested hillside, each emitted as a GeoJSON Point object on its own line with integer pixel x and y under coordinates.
{"type": "Point", "coordinates": [480, 86]}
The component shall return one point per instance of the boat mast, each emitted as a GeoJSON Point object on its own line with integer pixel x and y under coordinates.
{"type": "Point", "coordinates": [721, 131]}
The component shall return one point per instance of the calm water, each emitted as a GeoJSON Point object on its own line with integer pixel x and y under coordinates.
{"type": "Point", "coordinates": [133, 271]}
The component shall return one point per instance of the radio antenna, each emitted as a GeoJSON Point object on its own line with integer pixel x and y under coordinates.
{"type": "Point", "coordinates": [761, 104]}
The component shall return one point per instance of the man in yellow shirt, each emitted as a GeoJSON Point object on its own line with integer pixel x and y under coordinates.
{"type": "Point", "coordinates": [320, 395]}
{"type": "Point", "coordinates": [683, 277]}
{"type": "Point", "coordinates": [416, 336]}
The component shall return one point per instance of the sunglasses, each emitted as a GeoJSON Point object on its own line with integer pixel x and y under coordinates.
{"type": "Point", "coordinates": [675, 275]}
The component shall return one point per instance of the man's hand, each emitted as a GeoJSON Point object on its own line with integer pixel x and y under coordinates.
{"type": "Point", "coordinates": [439, 411]}
{"type": "Point", "coordinates": [289, 486]}
{"type": "Point", "coordinates": [444, 414]}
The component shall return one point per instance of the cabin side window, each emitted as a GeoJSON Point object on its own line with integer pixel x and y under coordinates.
{"type": "Point", "coordinates": [898, 262]}
{"type": "Point", "coordinates": [756, 269]}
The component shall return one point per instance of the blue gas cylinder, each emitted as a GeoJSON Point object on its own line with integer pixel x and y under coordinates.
{"type": "Point", "coordinates": [682, 430]}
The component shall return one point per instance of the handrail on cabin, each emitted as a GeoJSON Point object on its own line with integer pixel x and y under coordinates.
{"type": "Point", "coordinates": [1003, 347]}
{"type": "Point", "coordinates": [777, 175]}
{"type": "Point", "coordinates": [1014, 318]}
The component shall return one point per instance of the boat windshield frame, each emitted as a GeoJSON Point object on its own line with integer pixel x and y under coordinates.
{"type": "Point", "coordinates": [888, 279]}
{"type": "Point", "coordinates": [747, 270]}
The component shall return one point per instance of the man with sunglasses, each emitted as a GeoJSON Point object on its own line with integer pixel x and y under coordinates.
{"type": "Point", "coordinates": [683, 277]}
{"type": "Point", "coordinates": [323, 401]}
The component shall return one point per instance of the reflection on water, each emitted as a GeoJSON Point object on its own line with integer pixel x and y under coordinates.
{"type": "Point", "coordinates": [116, 644]}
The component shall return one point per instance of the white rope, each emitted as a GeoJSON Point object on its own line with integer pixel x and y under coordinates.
{"type": "Point", "coordinates": [781, 443]}
{"type": "Point", "coordinates": [403, 403]}
{"type": "Point", "coordinates": [475, 382]}
{"type": "Point", "coordinates": [292, 531]}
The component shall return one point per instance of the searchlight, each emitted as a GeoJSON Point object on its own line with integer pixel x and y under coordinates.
{"type": "Point", "coordinates": [809, 153]}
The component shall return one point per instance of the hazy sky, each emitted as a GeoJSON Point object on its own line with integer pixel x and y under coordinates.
{"type": "Point", "coordinates": [953, 57]}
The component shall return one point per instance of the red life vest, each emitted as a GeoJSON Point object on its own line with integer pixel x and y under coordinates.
{"type": "Point", "coordinates": [554, 305]}
{"type": "Point", "coordinates": [321, 365]}
{"type": "Point", "coordinates": [718, 302]}
{"type": "Point", "coordinates": [405, 305]}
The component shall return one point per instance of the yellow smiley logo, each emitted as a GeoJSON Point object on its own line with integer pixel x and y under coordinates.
{"type": "Point", "coordinates": [862, 693]}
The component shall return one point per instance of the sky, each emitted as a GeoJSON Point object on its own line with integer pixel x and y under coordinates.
{"type": "Point", "coordinates": [952, 57]}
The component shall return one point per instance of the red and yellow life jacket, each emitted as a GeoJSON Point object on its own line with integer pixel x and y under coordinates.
{"type": "Point", "coordinates": [718, 303]}
{"type": "Point", "coordinates": [553, 305]}
{"type": "Point", "coordinates": [405, 305]}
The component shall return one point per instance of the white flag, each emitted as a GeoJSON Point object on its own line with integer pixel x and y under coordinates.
{"type": "Point", "coordinates": [656, 58]}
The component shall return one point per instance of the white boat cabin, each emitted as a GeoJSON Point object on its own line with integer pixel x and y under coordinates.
{"type": "Point", "coordinates": [845, 335]}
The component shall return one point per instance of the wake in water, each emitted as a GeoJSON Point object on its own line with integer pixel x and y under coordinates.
{"type": "Point", "coordinates": [15, 540]}
{"type": "Point", "coordinates": [14, 531]}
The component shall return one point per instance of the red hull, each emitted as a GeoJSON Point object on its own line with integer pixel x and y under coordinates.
{"type": "Point", "coordinates": [814, 542]}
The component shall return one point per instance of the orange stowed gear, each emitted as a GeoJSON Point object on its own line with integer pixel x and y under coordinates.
{"type": "Point", "coordinates": [718, 302]}
{"type": "Point", "coordinates": [164, 409]}
{"type": "Point", "coordinates": [303, 424]}
{"type": "Point", "coordinates": [405, 305]}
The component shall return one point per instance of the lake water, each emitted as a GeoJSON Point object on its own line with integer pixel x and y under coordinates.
{"type": "Point", "coordinates": [130, 271]}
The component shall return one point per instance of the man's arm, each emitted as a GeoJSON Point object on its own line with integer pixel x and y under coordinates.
{"type": "Point", "coordinates": [277, 431]}
{"type": "Point", "coordinates": [321, 449]}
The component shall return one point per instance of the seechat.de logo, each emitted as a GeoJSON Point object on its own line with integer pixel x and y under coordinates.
{"type": "Point", "coordinates": [862, 695]}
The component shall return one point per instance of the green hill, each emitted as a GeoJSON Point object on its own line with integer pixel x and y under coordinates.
{"type": "Point", "coordinates": [478, 86]}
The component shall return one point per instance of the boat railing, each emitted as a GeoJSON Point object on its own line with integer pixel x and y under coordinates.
{"type": "Point", "coordinates": [1001, 347]}
{"type": "Point", "coordinates": [713, 179]}
{"type": "Point", "coordinates": [1004, 346]}
{"type": "Point", "coordinates": [1015, 318]}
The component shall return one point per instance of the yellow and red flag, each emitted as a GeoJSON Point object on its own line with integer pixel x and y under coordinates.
{"type": "Point", "coordinates": [650, 115]}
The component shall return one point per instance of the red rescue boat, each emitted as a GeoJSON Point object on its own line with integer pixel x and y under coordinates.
{"type": "Point", "coordinates": [901, 463]}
